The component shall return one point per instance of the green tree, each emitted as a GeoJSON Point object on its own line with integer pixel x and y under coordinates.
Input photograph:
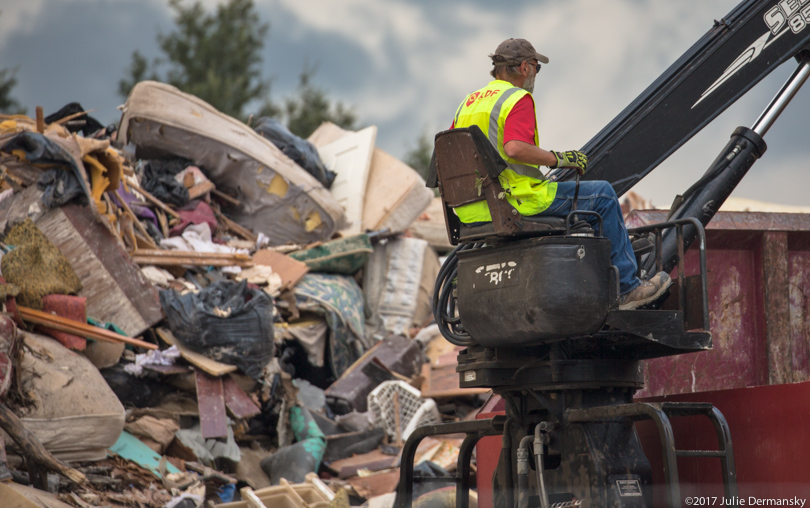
{"type": "Point", "coordinates": [138, 71]}
{"type": "Point", "coordinates": [419, 156]}
{"type": "Point", "coordinates": [310, 107]}
{"type": "Point", "coordinates": [215, 57]}
{"type": "Point", "coordinates": [8, 104]}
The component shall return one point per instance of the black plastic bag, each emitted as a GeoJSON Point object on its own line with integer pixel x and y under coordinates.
{"type": "Point", "coordinates": [158, 180]}
{"type": "Point", "coordinates": [60, 187]}
{"type": "Point", "coordinates": [38, 149]}
{"type": "Point", "coordinates": [226, 322]}
{"type": "Point", "coordinates": [301, 151]}
{"type": "Point", "coordinates": [84, 123]}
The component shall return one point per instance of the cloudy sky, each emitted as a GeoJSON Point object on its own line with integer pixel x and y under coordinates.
{"type": "Point", "coordinates": [404, 65]}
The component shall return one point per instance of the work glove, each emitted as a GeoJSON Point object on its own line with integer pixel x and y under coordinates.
{"type": "Point", "coordinates": [571, 159]}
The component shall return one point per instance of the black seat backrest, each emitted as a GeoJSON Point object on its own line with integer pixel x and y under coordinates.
{"type": "Point", "coordinates": [467, 168]}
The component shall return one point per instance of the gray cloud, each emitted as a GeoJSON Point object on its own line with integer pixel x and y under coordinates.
{"type": "Point", "coordinates": [405, 64]}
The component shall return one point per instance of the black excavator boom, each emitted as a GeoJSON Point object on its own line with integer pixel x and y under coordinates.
{"type": "Point", "coordinates": [755, 38]}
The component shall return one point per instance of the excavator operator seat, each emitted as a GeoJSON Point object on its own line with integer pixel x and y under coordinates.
{"type": "Point", "coordinates": [467, 168]}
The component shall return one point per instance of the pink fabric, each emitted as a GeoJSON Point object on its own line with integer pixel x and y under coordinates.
{"type": "Point", "coordinates": [200, 213]}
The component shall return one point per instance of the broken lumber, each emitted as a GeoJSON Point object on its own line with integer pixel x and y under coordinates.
{"type": "Point", "coordinates": [33, 450]}
{"type": "Point", "coordinates": [210, 366]}
{"type": "Point", "coordinates": [180, 258]}
{"type": "Point", "coordinates": [135, 220]}
{"type": "Point", "coordinates": [81, 329]}
{"type": "Point", "coordinates": [225, 197]}
{"type": "Point", "coordinates": [211, 404]}
{"type": "Point", "coordinates": [155, 201]}
{"type": "Point", "coordinates": [197, 190]}
{"type": "Point", "coordinates": [240, 404]}
{"type": "Point", "coordinates": [235, 227]}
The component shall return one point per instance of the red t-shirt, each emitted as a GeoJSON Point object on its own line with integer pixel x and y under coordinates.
{"type": "Point", "coordinates": [520, 123]}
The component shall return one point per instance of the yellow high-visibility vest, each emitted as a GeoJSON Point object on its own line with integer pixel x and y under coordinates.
{"type": "Point", "coordinates": [526, 188]}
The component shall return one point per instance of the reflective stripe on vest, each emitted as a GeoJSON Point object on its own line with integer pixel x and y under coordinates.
{"type": "Point", "coordinates": [525, 185]}
{"type": "Point", "coordinates": [476, 105]}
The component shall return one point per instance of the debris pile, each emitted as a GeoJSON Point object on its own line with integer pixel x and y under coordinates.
{"type": "Point", "coordinates": [197, 313]}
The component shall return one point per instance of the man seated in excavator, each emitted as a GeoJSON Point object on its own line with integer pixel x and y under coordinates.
{"type": "Point", "coordinates": [504, 111]}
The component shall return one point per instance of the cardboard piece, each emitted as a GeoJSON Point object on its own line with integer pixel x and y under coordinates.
{"type": "Point", "coordinates": [291, 270]}
{"type": "Point", "coordinates": [395, 193]}
{"type": "Point", "coordinates": [430, 226]}
{"type": "Point", "coordinates": [15, 495]}
{"type": "Point", "coordinates": [350, 157]}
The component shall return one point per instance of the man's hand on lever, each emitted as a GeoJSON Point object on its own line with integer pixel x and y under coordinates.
{"type": "Point", "coordinates": [571, 159]}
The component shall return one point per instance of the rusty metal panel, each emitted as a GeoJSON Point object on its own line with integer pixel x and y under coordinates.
{"type": "Point", "coordinates": [774, 268]}
{"type": "Point", "coordinates": [758, 269]}
{"type": "Point", "coordinates": [738, 356]}
{"type": "Point", "coordinates": [736, 221]}
{"type": "Point", "coordinates": [799, 302]}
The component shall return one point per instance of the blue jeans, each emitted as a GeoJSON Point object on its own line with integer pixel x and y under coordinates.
{"type": "Point", "coordinates": [598, 196]}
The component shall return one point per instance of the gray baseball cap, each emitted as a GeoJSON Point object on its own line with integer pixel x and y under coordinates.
{"type": "Point", "coordinates": [514, 51]}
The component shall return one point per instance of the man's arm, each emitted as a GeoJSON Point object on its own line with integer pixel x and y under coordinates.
{"type": "Point", "coordinates": [529, 153]}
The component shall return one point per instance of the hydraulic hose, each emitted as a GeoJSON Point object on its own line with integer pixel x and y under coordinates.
{"type": "Point", "coordinates": [444, 301]}
{"type": "Point", "coordinates": [523, 471]}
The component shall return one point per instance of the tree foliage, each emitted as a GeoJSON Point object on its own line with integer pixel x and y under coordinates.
{"type": "Point", "coordinates": [419, 156]}
{"type": "Point", "coordinates": [8, 104]}
{"type": "Point", "coordinates": [214, 56]}
{"type": "Point", "coordinates": [310, 107]}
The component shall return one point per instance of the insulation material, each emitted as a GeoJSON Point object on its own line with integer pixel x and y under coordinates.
{"type": "Point", "coordinates": [278, 197]}
{"type": "Point", "coordinates": [414, 411]}
{"type": "Point", "coordinates": [36, 266]}
{"type": "Point", "coordinates": [398, 285]}
{"type": "Point", "coordinates": [77, 416]}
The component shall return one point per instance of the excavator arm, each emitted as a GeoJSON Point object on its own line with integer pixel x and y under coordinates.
{"type": "Point", "coordinates": [737, 52]}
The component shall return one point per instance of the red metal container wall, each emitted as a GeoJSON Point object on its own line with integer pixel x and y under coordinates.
{"type": "Point", "coordinates": [758, 274]}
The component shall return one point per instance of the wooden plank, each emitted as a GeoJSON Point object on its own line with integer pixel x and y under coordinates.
{"type": "Point", "coordinates": [442, 382]}
{"type": "Point", "coordinates": [376, 484]}
{"type": "Point", "coordinates": [83, 330]}
{"type": "Point", "coordinates": [225, 197]}
{"type": "Point", "coordinates": [208, 365]}
{"type": "Point", "coordinates": [291, 270]}
{"type": "Point", "coordinates": [373, 460]}
{"type": "Point", "coordinates": [168, 370]}
{"type": "Point", "coordinates": [211, 404]}
{"type": "Point", "coordinates": [235, 227]}
{"type": "Point", "coordinates": [155, 201]}
{"type": "Point", "coordinates": [194, 254]}
{"type": "Point", "coordinates": [178, 261]}
{"type": "Point", "coordinates": [116, 291]}
{"type": "Point", "coordinates": [40, 120]}
{"type": "Point", "coordinates": [135, 220]}
{"type": "Point", "coordinates": [240, 404]}
{"type": "Point", "coordinates": [195, 191]}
